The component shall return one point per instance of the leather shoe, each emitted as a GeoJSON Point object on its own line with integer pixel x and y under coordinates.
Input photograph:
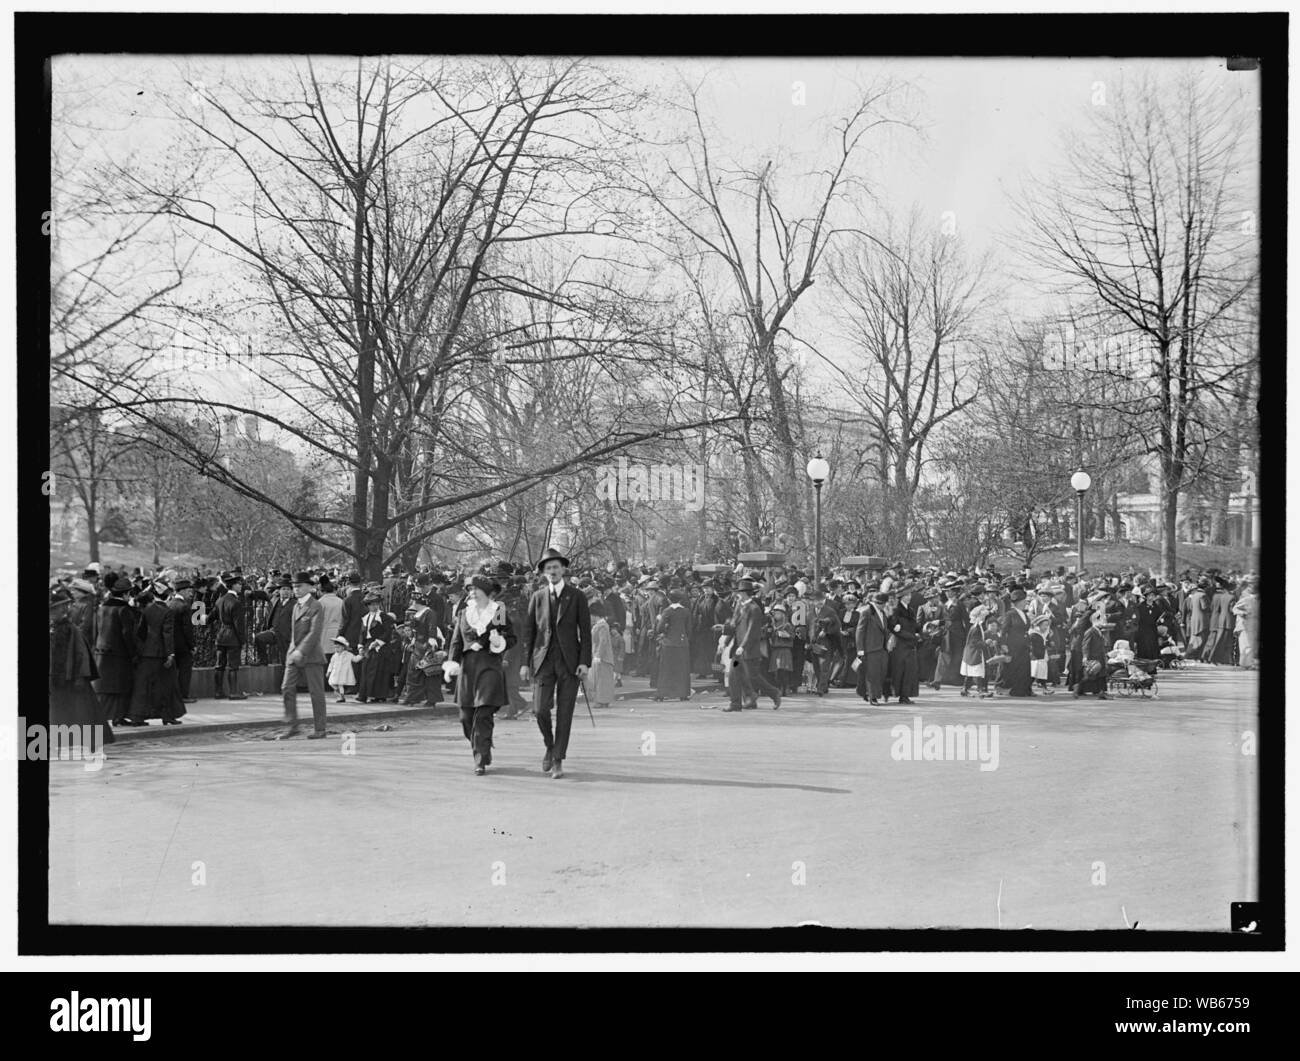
{"type": "Point", "coordinates": [557, 768]}
{"type": "Point", "coordinates": [190, 700]}
{"type": "Point", "coordinates": [287, 732]}
{"type": "Point", "coordinates": [316, 734]}
{"type": "Point", "coordinates": [546, 763]}
{"type": "Point", "coordinates": [776, 703]}
{"type": "Point", "coordinates": [480, 770]}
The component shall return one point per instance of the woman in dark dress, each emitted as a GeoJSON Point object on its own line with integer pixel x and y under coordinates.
{"type": "Point", "coordinates": [72, 667]}
{"type": "Point", "coordinates": [117, 646]}
{"type": "Point", "coordinates": [377, 633]}
{"type": "Point", "coordinates": [480, 639]}
{"type": "Point", "coordinates": [673, 631]}
{"type": "Point", "coordinates": [1093, 655]}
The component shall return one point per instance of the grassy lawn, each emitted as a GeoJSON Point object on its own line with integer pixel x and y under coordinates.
{"type": "Point", "coordinates": [75, 555]}
{"type": "Point", "coordinates": [1143, 557]}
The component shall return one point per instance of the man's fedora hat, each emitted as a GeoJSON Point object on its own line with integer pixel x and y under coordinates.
{"type": "Point", "coordinates": [549, 555]}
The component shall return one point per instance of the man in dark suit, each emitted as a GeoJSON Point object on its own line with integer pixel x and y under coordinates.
{"type": "Point", "coordinates": [354, 610]}
{"type": "Point", "coordinates": [279, 620]}
{"type": "Point", "coordinates": [827, 632]}
{"type": "Point", "coordinates": [747, 676]}
{"type": "Point", "coordinates": [873, 655]}
{"type": "Point", "coordinates": [557, 643]}
{"type": "Point", "coordinates": [304, 659]}
{"type": "Point", "coordinates": [183, 635]}
{"type": "Point", "coordinates": [229, 617]}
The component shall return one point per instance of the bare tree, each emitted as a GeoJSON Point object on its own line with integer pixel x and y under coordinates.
{"type": "Point", "coordinates": [375, 219]}
{"type": "Point", "coordinates": [909, 303]}
{"type": "Point", "coordinates": [734, 216]}
{"type": "Point", "coordinates": [1149, 224]}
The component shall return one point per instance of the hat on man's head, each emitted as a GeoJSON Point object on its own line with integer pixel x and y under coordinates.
{"type": "Point", "coordinates": [303, 578]}
{"type": "Point", "coordinates": [549, 555]}
{"type": "Point", "coordinates": [354, 578]}
{"type": "Point", "coordinates": [745, 585]}
{"type": "Point", "coordinates": [1017, 594]}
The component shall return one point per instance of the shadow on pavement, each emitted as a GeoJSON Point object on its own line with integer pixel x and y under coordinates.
{"type": "Point", "coordinates": [706, 782]}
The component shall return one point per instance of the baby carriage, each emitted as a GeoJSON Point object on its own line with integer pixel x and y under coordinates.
{"type": "Point", "coordinates": [1129, 676]}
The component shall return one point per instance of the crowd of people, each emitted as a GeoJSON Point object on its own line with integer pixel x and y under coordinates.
{"type": "Point", "coordinates": [124, 645]}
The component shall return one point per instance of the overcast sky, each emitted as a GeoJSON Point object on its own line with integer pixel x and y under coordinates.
{"type": "Point", "coordinates": [986, 124]}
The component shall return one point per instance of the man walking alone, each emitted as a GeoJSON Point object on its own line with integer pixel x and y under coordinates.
{"type": "Point", "coordinates": [304, 660]}
{"type": "Point", "coordinates": [557, 643]}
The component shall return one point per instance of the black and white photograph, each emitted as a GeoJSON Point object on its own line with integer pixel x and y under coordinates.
{"type": "Point", "coordinates": [513, 487]}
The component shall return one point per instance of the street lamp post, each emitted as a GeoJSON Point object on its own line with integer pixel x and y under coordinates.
{"type": "Point", "coordinates": [818, 471]}
{"type": "Point", "coordinates": [1080, 480]}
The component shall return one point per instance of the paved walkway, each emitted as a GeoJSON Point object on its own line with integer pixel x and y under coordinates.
{"type": "Point", "coordinates": [1098, 814]}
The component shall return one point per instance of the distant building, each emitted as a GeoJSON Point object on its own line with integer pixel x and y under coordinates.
{"type": "Point", "coordinates": [1140, 513]}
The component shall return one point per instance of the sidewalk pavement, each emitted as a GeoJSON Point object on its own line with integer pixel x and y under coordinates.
{"type": "Point", "coordinates": [266, 710]}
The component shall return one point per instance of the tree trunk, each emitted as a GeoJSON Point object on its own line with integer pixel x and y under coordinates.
{"type": "Point", "coordinates": [1169, 541]}
{"type": "Point", "coordinates": [91, 503]}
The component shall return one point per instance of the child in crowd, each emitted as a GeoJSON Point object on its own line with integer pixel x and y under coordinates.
{"type": "Point", "coordinates": [341, 674]}
{"type": "Point", "coordinates": [1039, 636]}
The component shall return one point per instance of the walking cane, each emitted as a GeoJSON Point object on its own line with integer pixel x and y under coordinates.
{"type": "Point", "coordinates": [583, 686]}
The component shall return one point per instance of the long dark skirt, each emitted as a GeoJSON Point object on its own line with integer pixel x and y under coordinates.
{"type": "Point", "coordinates": [674, 672]}
{"type": "Point", "coordinates": [74, 703]}
{"type": "Point", "coordinates": [903, 674]}
{"type": "Point", "coordinates": [927, 662]}
{"type": "Point", "coordinates": [376, 678]}
{"type": "Point", "coordinates": [477, 724]}
{"type": "Point", "coordinates": [1092, 685]}
{"type": "Point", "coordinates": [1015, 673]}
{"type": "Point", "coordinates": [156, 693]}
{"type": "Point", "coordinates": [480, 692]}
{"type": "Point", "coordinates": [482, 681]}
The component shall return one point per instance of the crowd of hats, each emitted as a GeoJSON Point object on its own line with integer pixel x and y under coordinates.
{"type": "Point", "coordinates": [677, 581]}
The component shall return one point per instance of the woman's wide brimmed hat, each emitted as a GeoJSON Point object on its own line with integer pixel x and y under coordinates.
{"type": "Point", "coordinates": [552, 554]}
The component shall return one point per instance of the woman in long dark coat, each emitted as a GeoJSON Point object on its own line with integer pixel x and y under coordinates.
{"type": "Point", "coordinates": [1093, 650]}
{"type": "Point", "coordinates": [377, 634]}
{"type": "Point", "coordinates": [673, 630]}
{"type": "Point", "coordinates": [952, 643]}
{"type": "Point", "coordinates": [480, 639]}
{"type": "Point", "coordinates": [929, 621]}
{"type": "Point", "coordinates": [704, 642]}
{"type": "Point", "coordinates": [117, 647]}
{"type": "Point", "coordinates": [72, 667]}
